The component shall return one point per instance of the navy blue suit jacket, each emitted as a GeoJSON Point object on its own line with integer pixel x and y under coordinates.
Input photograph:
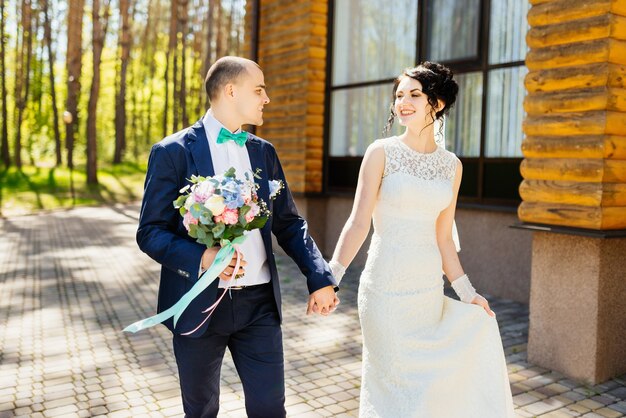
{"type": "Point", "coordinates": [162, 236]}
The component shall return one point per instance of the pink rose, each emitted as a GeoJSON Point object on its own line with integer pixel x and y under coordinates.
{"type": "Point", "coordinates": [189, 220]}
{"type": "Point", "coordinates": [229, 217]}
{"type": "Point", "coordinates": [249, 216]}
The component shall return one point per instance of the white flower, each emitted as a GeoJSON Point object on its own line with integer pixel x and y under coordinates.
{"type": "Point", "coordinates": [215, 204]}
{"type": "Point", "coordinates": [190, 201]}
{"type": "Point", "coordinates": [275, 188]}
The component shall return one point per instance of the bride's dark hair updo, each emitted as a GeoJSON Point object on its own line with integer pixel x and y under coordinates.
{"type": "Point", "coordinates": [437, 84]}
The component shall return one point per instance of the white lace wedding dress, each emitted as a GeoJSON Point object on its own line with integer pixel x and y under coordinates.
{"type": "Point", "coordinates": [424, 355]}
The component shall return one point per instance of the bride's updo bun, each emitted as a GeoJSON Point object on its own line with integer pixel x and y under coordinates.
{"type": "Point", "coordinates": [437, 84]}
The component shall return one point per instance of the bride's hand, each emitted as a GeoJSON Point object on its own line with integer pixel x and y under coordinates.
{"type": "Point", "coordinates": [481, 301]}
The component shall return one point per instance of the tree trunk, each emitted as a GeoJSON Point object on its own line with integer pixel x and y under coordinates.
{"type": "Point", "coordinates": [73, 65]}
{"type": "Point", "coordinates": [171, 48]}
{"type": "Point", "coordinates": [210, 22]}
{"type": "Point", "coordinates": [149, 63]}
{"type": "Point", "coordinates": [5, 155]}
{"type": "Point", "coordinates": [36, 87]}
{"type": "Point", "coordinates": [53, 95]}
{"type": "Point", "coordinates": [182, 92]}
{"type": "Point", "coordinates": [175, 83]}
{"type": "Point", "coordinates": [99, 26]}
{"type": "Point", "coordinates": [22, 77]}
{"type": "Point", "coordinates": [120, 99]}
{"type": "Point", "coordinates": [219, 42]}
{"type": "Point", "coordinates": [229, 30]}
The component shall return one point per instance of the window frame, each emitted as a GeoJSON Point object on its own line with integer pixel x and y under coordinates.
{"type": "Point", "coordinates": [343, 166]}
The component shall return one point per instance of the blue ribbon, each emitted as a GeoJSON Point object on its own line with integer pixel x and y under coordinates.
{"type": "Point", "coordinates": [222, 259]}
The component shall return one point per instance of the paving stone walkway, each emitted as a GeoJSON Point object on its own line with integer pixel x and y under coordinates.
{"type": "Point", "coordinates": [71, 280]}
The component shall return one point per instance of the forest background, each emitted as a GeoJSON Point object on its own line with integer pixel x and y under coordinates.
{"type": "Point", "coordinates": [87, 86]}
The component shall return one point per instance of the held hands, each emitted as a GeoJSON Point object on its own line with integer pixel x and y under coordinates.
{"type": "Point", "coordinates": [323, 301]}
{"type": "Point", "coordinates": [227, 274]}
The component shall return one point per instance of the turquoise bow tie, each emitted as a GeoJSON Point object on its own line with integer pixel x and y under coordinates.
{"type": "Point", "coordinates": [225, 135]}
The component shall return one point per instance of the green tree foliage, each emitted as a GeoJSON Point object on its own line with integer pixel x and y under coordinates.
{"type": "Point", "coordinates": [203, 34]}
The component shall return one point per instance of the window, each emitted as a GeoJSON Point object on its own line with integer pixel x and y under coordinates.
{"type": "Point", "coordinates": [482, 41]}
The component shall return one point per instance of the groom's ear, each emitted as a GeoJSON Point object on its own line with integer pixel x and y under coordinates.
{"type": "Point", "coordinates": [229, 90]}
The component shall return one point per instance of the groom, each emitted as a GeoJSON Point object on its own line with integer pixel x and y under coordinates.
{"type": "Point", "coordinates": [248, 319]}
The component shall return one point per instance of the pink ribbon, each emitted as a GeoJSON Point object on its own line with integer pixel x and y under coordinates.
{"type": "Point", "coordinates": [213, 307]}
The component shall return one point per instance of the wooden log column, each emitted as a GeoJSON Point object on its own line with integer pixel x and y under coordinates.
{"type": "Point", "coordinates": [292, 54]}
{"type": "Point", "coordinates": [575, 183]}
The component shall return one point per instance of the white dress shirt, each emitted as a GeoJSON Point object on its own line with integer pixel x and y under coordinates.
{"type": "Point", "coordinates": [224, 156]}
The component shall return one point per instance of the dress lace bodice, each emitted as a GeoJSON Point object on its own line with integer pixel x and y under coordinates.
{"type": "Point", "coordinates": [400, 158]}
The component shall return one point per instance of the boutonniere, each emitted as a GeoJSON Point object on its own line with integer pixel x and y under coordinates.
{"type": "Point", "coordinates": [275, 187]}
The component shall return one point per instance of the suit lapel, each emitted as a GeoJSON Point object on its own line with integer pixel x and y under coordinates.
{"type": "Point", "coordinates": [258, 162]}
{"type": "Point", "coordinates": [199, 148]}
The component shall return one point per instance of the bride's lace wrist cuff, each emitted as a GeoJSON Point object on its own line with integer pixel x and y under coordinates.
{"type": "Point", "coordinates": [337, 269]}
{"type": "Point", "coordinates": [464, 289]}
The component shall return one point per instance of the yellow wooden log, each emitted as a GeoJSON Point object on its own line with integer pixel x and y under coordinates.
{"type": "Point", "coordinates": [569, 101]}
{"type": "Point", "coordinates": [587, 123]}
{"type": "Point", "coordinates": [574, 169]}
{"type": "Point", "coordinates": [584, 76]}
{"type": "Point", "coordinates": [614, 194]}
{"type": "Point", "coordinates": [597, 98]}
{"type": "Point", "coordinates": [574, 193]}
{"type": "Point", "coordinates": [596, 27]}
{"type": "Point", "coordinates": [566, 10]}
{"type": "Point", "coordinates": [563, 147]}
{"type": "Point", "coordinates": [567, 192]}
{"type": "Point", "coordinates": [596, 51]}
{"type": "Point", "coordinates": [572, 215]}
{"type": "Point", "coordinates": [615, 147]}
{"type": "Point", "coordinates": [560, 214]}
{"type": "Point", "coordinates": [593, 146]}
{"type": "Point", "coordinates": [616, 123]}
{"type": "Point", "coordinates": [565, 169]}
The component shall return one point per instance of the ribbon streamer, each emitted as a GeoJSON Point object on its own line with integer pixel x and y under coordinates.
{"type": "Point", "coordinates": [222, 259]}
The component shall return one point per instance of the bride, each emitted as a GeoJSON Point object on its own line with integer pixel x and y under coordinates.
{"type": "Point", "coordinates": [424, 354]}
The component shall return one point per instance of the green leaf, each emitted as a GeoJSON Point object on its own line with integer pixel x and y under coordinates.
{"type": "Point", "coordinates": [180, 202]}
{"type": "Point", "coordinates": [237, 230]}
{"type": "Point", "coordinates": [242, 214]}
{"type": "Point", "coordinates": [196, 210]}
{"type": "Point", "coordinates": [230, 172]}
{"type": "Point", "coordinates": [218, 230]}
{"type": "Point", "coordinates": [206, 217]}
{"type": "Point", "coordinates": [209, 241]}
{"type": "Point", "coordinates": [257, 222]}
{"type": "Point", "coordinates": [201, 233]}
{"type": "Point", "coordinates": [193, 231]}
{"type": "Point", "coordinates": [182, 211]}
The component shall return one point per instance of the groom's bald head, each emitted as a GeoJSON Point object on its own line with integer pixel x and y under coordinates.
{"type": "Point", "coordinates": [224, 71]}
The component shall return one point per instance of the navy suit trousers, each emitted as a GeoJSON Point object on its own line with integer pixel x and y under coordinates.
{"type": "Point", "coordinates": [247, 322]}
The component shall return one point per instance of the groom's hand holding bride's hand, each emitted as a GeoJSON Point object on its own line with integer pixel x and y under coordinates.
{"type": "Point", "coordinates": [323, 301]}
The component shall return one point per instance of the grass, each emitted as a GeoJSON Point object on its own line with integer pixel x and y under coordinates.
{"type": "Point", "coordinates": [36, 188]}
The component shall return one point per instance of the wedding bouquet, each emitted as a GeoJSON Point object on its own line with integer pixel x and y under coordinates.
{"type": "Point", "coordinates": [216, 210]}
{"type": "Point", "coordinates": [219, 209]}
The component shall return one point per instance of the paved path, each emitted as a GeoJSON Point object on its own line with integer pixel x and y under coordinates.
{"type": "Point", "coordinates": [71, 280]}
